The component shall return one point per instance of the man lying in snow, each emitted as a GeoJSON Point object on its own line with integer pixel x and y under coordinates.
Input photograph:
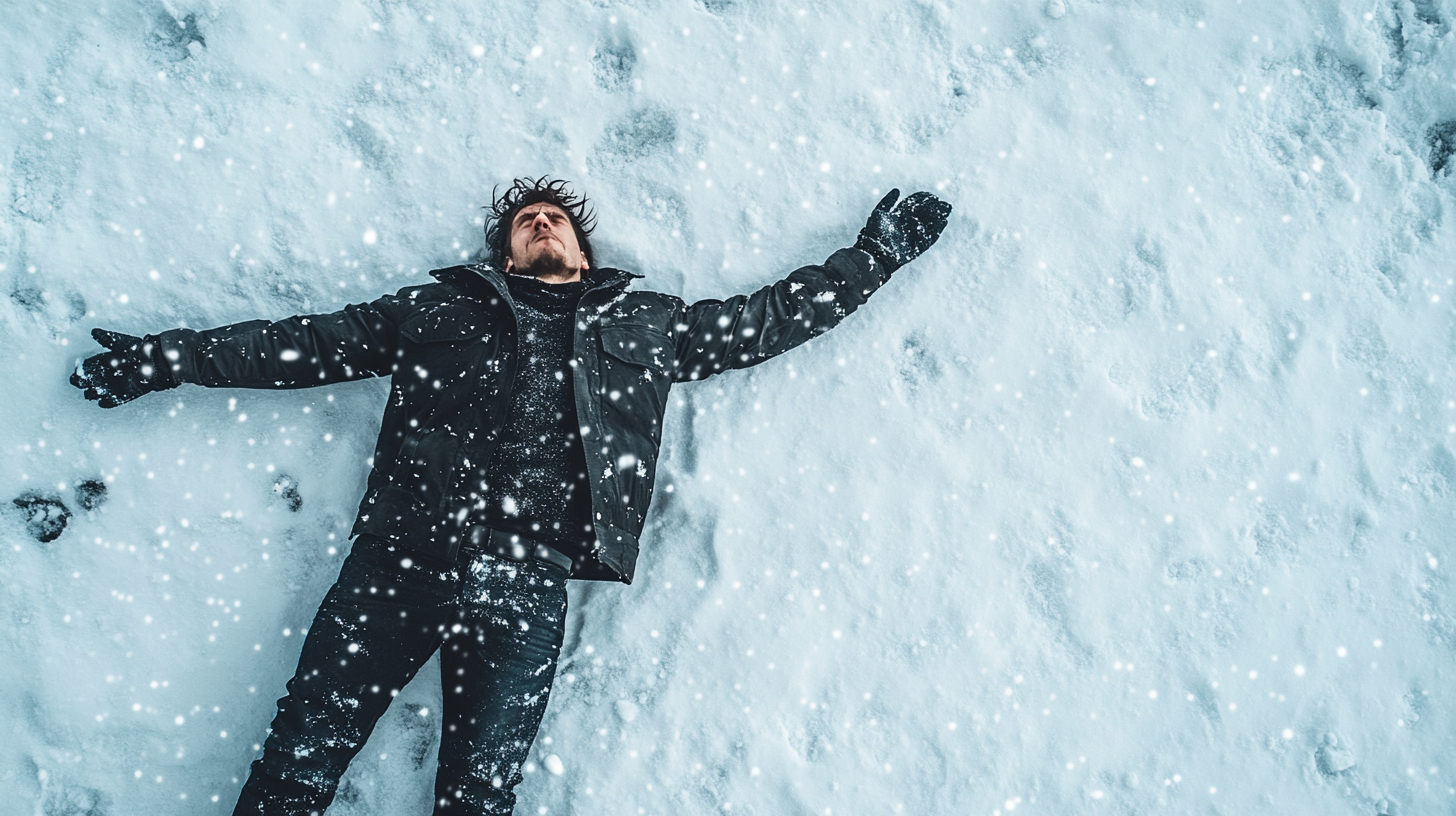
{"type": "Point", "coordinates": [517, 450]}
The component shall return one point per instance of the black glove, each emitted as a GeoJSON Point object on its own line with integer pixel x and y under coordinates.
{"type": "Point", "coordinates": [134, 366]}
{"type": "Point", "coordinates": [896, 235]}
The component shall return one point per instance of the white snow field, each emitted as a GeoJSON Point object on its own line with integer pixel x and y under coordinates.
{"type": "Point", "coordinates": [1133, 495]}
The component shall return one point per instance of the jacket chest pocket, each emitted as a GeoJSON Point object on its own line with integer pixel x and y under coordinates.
{"type": "Point", "coordinates": [636, 368]}
{"type": "Point", "coordinates": [445, 347]}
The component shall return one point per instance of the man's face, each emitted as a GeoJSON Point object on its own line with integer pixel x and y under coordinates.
{"type": "Point", "coordinates": [543, 245]}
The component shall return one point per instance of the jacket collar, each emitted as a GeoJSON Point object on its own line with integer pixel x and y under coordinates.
{"type": "Point", "coordinates": [603, 279]}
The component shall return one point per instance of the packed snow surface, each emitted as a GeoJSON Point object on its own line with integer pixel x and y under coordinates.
{"type": "Point", "coordinates": [1133, 495]}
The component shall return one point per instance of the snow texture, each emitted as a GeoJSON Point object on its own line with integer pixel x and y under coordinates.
{"type": "Point", "coordinates": [1132, 495]}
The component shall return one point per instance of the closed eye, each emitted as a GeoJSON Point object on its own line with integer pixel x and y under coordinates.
{"type": "Point", "coordinates": [527, 217]}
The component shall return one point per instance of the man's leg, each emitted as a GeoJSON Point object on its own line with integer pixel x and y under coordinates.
{"type": "Point", "coordinates": [379, 623]}
{"type": "Point", "coordinates": [497, 671]}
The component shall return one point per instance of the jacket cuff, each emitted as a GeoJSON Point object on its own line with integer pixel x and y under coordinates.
{"type": "Point", "coordinates": [863, 270]}
{"type": "Point", "coordinates": [187, 351]}
{"type": "Point", "coordinates": [177, 350]}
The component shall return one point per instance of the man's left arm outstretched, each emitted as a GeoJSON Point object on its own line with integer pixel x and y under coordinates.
{"type": "Point", "coordinates": [717, 335]}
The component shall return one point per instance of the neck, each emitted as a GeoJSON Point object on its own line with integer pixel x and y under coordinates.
{"type": "Point", "coordinates": [560, 277]}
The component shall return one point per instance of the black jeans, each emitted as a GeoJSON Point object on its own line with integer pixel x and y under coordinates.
{"type": "Point", "coordinates": [498, 625]}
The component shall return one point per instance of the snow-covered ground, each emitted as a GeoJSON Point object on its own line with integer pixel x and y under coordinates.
{"type": "Point", "coordinates": [1133, 495]}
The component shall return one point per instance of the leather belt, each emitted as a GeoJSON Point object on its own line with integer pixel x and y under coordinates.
{"type": "Point", "coordinates": [515, 547]}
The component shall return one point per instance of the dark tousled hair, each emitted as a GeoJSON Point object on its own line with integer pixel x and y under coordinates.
{"type": "Point", "coordinates": [525, 192]}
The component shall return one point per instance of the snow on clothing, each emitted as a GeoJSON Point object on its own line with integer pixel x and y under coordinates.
{"type": "Point", "coordinates": [498, 625]}
{"type": "Point", "coordinates": [536, 483]}
{"type": "Point", "coordinates": [450, 349]}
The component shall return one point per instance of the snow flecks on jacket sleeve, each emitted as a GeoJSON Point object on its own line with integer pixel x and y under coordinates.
{"type": "Point", "coordinates": [718, 335]}
{"type": "Point", "coordinates": [355, 342]}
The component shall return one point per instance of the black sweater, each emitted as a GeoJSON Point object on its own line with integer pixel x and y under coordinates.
{"type": "Point", "coordinates": [536, 484]}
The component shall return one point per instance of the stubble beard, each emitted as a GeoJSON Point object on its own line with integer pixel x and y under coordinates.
{"type": "Point", "coordinates": [548, 265]}
{"type": "Point", "coordinates": [544, 265]}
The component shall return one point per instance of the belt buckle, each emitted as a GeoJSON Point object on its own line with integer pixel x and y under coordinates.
{"type": "Point", "coordinates": [505, 545]}
{"type": "Point", "coordinates": [514, 547]}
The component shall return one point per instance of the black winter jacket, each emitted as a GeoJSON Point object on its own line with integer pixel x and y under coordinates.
{"type": "Point", "coordinates": [450, 349]}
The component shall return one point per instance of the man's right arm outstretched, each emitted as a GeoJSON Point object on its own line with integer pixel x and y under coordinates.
{"type": "Point", "coordinates": [355, 342]}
